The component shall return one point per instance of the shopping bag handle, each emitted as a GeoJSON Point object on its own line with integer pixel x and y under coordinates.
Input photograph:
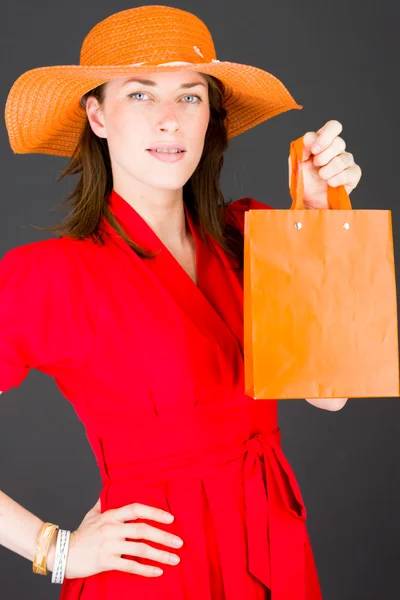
{"type": "Point", "coordinates": [338, 198]}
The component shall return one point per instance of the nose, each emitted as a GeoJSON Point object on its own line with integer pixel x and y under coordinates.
{"type": "Point", "coordinates": [167, 118]}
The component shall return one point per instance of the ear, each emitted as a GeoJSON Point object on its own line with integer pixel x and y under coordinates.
{"type": "Point", "coordinates": [95, 117]}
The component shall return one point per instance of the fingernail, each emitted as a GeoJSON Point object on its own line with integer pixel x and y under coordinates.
{"type": "Point", "coordinates": [316, 148]}
{"type": "Point", "coordinates": [177, 542]}
{"type": "Point", "coordinates": [169, 517]}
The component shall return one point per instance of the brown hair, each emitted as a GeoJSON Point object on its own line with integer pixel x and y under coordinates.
{"type": "Point", "coordinates": [201, 193]}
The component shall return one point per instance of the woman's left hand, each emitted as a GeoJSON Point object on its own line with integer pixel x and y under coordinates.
{"type": "Point", "coordinates": [326, 162]}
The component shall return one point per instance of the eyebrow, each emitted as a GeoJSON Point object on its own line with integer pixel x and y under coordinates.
{"type": "Point", "coordinates": [149, 82]}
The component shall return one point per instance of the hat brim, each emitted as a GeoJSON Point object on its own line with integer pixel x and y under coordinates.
{"type": "Point", "coordinates": [44, 115]}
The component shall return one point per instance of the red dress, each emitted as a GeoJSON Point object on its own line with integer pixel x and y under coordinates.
{"type": "Point", "coordinates": [153, 365]}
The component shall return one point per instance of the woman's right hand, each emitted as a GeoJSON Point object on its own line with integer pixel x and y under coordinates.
{"type": "Point", "coordinates": [100, 540]}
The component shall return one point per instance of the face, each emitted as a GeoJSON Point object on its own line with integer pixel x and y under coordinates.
{"type": "Point", "coordinates": [165, 108]}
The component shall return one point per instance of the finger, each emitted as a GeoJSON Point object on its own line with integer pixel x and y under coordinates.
{"type": "Point", "coordinates": [337, 147]}
{"type": "Point", "coordinates": [145, 551]}
{"type": "Point", "coordinates": [131, 566]}
{"type": "Point", "coordinates": [143, 531]}
{"type": "Point", "coordinates": [326, 135]}
{"type": "Point", "coordinates": [308, 141]}
{"type": "Point", "coordinates": [130, 512]}
{"type": "Point", "coordinates": [349, 178]}
{"type": "Point", "coordinates": [336, 165]}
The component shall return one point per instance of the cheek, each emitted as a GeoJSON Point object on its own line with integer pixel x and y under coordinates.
{"type": "Point", "coordinates": [121, 124]}
{"type": "Point", "coordinates": [126, 138]}
{"type": "Point", "coordinates": [203, 117]}
{"type": "Point", "coordinates": [198, 124]}
{"type": "Point", "coordinates": [121, 120]}
{"type": "Point", "coordinates": [204, 123]}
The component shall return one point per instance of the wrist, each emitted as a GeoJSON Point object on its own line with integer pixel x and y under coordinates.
{"type": "Point", "coordinates": [51, 553]}
{"type": "Point", "coordinates": [45, 540]}
{"type": "Point", "coordinates": [61, 555]}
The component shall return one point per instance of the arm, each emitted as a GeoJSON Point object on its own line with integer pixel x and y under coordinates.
{"type": "Point", "coordinates": [323, 165]}
{"type": "Point", "coordinates": [19, 530]}
{"type": "Point", "coordinates": [100, 540]}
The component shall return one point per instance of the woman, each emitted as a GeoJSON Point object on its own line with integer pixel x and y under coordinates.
{"type": "Point", "coordinates": [137, 315]}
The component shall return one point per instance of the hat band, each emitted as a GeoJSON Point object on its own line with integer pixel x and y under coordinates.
{"type": "Point", "coordinates": [168, 64]}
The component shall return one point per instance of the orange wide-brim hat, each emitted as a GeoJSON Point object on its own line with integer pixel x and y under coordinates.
{"type": "Point", "coordinates": [44, 113]}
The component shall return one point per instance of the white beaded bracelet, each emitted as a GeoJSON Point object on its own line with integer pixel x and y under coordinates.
{"type": "Point", "coordinates": [60, 557]}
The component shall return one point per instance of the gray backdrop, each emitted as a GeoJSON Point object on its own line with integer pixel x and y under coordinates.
{"type": "Point", "coordinates": [340, 59]}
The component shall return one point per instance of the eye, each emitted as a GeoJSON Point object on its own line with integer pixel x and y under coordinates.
{"type": "Point", "coordinates": [193, 96]}
{"type": "Point", "coordinates": [136, 94]}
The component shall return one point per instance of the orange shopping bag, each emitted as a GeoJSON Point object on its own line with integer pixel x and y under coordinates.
{"type": "Point", "coordinates": [320, 306]}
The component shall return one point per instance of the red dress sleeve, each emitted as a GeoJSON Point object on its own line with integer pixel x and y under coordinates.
{"type": "Point", "coordinates": [236, 210]}
{"type": "Point", "coordinates": [46, 320]}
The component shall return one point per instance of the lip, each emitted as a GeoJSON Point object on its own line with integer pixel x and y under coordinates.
{"type": "Point", "coordinates": [168, 146]}
{"type": "Point", "coordinates": [168, 158]}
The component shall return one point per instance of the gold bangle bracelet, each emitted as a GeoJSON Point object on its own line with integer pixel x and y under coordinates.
{"type": "Point", "coordinates": [39, 564]}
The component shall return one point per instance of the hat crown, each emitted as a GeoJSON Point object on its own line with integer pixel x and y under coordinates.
{"type": "Point", "coordinates": [148, 34]}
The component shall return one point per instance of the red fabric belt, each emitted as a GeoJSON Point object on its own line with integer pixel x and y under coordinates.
{"type": "Point", "coordinates": [189, 445]}
{"type": "Point", "coordinates": [275, 521]}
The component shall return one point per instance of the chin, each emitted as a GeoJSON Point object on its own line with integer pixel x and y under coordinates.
{"type": "Point", "coordinates": [168, 183]}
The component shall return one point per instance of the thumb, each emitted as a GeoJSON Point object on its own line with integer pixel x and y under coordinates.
{"type": "Point", "coordinates": [96, 508]}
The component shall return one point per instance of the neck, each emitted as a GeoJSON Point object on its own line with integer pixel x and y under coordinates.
{"type": "Point", "coordinates": [163, 210]}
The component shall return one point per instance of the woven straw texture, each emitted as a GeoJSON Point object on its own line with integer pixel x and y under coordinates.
{"type": "Point", "coordinates": [43, 113]}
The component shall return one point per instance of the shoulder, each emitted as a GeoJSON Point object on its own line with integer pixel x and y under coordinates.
{"type": "Point", "coordinates": [54, 261]}
{"type": "Point", "coordinates": [28, 259]}
{"type": "Point", "coordinates": [236, 210]}
{"type": "Point", "coordinates": [48, 300]}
